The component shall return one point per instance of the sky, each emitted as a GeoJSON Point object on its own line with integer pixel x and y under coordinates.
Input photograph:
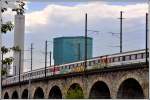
{"type": "Point", "coordinates": [47, 20]}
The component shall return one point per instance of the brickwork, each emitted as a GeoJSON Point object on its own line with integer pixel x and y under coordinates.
{"type": "Point", "coordinates": [113, 80]}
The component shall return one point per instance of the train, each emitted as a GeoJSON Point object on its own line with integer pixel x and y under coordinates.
{"type": "Point", "coordinates": [100, 62]}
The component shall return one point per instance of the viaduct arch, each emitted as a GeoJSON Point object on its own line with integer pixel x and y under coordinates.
{"type": "Point", "coordinates": [98, 85]}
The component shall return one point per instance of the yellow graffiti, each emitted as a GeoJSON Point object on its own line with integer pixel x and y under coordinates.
{"type": "Point", "coordinates": [104, 63]}
{"type": "Point", "coordinates": [78, 69]}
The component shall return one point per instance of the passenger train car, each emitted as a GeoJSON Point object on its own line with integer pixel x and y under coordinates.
{"type": "Point", "coordinates": [106, 61]}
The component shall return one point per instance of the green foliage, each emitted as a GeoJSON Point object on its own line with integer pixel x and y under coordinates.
{"type": "Point", "coordinates": [4, 9]}
{"type": "Point", "coordinates": [4, 50]}
{"type": "Point", "coordinates": [6, 27]}
{"type": "Point", "coordinates": [75, 93]}
{"type": "Point", "coordinates": [3, 71]}
{"type": "Point", "coordinates": [19, 10]}
{"type": "Point", "coordinates": [7, 61]}
{"type": "Point", "coordinates": [16, 49]}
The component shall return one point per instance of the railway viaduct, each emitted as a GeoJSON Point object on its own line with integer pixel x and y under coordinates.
{"type": "Point", "coordinates": [120, 82]}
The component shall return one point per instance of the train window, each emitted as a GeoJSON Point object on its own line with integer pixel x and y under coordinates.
{"type": "Point", "coordinates": [121, 58]}
{"type": "Point", "coordinates": [96, 61]}
{"type": "Point", "coordinates": [127, 58]}
{"type": "Point", "coordinates": [32, 74]}
{"type": "Point", "coordinates": [144, 55]}
{"type": "Point", "coordinates": [139, 56]}
{"type": "Point", "coordinates": [99, 60]}
{"type": "Point", "coordinates": [37, 73]}
{"type": "Point", "coordinates": [116, 59]}
{"type": "Point", "coordinates": [66, 67]}
{"type": "Point", "coordinates": [83, 63]}
{"type": "Point", "coordinates": [76, 65]}
{"type": "Point", "coordinates": [92, 63]}
{"type": "Point", "coordinates": [46, 71]}
{"type": "Point", "coordinates": [108, 60]}
{"type": "Point", "coordinates": [69, 67]}
{"type": "Point", "coordinates": [62, 67]}
{"type": "Point", "coordinates": [72, 65]}
{"type": "Point", "coordinates": [133, 57]}
{"type": "Point", "coordinates": [79, 64]}
{"type": "Point", "coordinates": [113, 59]}
{"type": "Point", "coordinates": [89, 63]}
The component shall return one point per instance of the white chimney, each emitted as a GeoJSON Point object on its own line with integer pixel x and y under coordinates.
{"type": "Point", "coordinates": [19, 41]}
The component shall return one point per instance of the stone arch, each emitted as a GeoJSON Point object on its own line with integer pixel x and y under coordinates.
{"type": "Point", "coordinates": [24, 94]}
{"type": "Point", "coordinates": [75, 87]}
{"type": "Point", "coordinates": [6, 95]}
{"type": "Point", "coordinates": [136, 76]}
{"type": "Point", "coordinates": [130, 89]}
{"type": "Point", "coordinates": [39, 93]}
{"type": "Point", "coordinates": [55, 93]}
{"type": "Point", "coordinates": [77, 80]}
{"type": "Point", "coordinates": [15, 95]}
{"type": "Point", "coordinates": [99, 90]}
{"type": "Point", "coordinates": [59, 83]}
{"type": "Point", "coordinates": [99, 78]}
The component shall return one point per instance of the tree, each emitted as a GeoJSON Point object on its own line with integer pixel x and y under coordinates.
{"type": "Point", "coordinates": [7, 62]}
{"type": "Point", "coordinates": [75, 93]}
{"type": "Point", "coordinates": [8, 26]}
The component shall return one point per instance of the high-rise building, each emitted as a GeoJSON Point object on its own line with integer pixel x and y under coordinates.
{"type": "Point", "coordinates": [70, 49]}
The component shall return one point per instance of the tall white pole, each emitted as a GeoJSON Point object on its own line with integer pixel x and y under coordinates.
{"type": "Point", "coordinates": [19, 41]}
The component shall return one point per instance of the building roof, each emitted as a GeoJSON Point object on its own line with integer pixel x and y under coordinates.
{"type": "Point", "coordinates": [72, 37]}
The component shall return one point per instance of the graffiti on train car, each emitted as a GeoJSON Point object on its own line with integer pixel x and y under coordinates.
{"type": "Point", "coordinates": [78, 69]}
{"type": "Point", "coordinates": [64, 71]}
{"type": "Point", "coordinates": [104, 62]}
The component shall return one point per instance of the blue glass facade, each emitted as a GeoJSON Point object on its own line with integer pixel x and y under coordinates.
{"type": "Point", "coordinates": [70, 49]}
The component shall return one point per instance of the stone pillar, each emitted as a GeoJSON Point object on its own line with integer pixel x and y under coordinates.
{"type": "Point", "coordinates": [19, 41]}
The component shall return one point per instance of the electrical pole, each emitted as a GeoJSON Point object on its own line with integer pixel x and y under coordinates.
{"type": "Point", "coordinates": [2, 58]}
{"type": "Point", "coordinates": [50, 54]}
{"type": "Point", "coordinates": [85, 41]}
{"type": "Point", "coordinates": [146, 38]}
{"type": "Point", "coordinates": [29, 93]}
{"type": "Point", "coordinates": [121, 31]}
{"type": "Point", "coordinates": [2, 68]}
{"type": "Point", "coordinates": [79, 51]}
{"type": "Point", "coordinates": [45, 57]}
{"type": "Point", "coordinates": [19, 73]}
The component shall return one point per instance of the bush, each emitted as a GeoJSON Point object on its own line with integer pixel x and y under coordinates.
{"type": "Point", "coordinates": [75, 93]}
